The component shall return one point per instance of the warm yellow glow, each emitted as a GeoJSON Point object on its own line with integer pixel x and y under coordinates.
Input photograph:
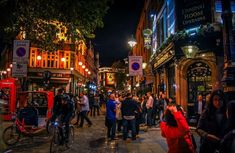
{"type": "Point", "coordinates": [39, 57]}
{"type": "Point", "coordinates": [63, 59]}
{"type": "Point", "coordinates": [80, 63]}
{"type": "Point", "coordinates": [144, 65]}
{"type": "Point", "coordinates": [71, 68]}
{"type": "Point", "coordinates": [4, 72]}
{"type": "Point", "coordinates": [10, 65]}
{"type": "Point", "coordinates": [83, 66]}
{"type": "Point", "coordinates": [89, 72]}
{"type": "Point", "coordinates": [86, 70]}
{"type": "Point", "coordinates": [8, 69]}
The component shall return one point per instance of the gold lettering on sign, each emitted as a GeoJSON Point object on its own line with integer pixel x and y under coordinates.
{"type": "Point", "coordinates": [193, 14]}
{"type": "Point", "coordinates": [161, 59]}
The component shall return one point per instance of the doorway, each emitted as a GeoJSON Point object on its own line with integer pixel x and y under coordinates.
{"type": "Point", "coordinates": [199, 82]}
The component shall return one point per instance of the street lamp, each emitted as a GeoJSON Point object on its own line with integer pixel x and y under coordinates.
{"type": "Point", "coordinates": [229, 51]}
{"type": "Point", "coordinates": [72, 80]}
{"type": "Point", "coordinates": [132, 42]}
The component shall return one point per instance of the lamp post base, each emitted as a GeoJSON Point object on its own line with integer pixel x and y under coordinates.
{"type": "Point", "coordinates": [229, 83]}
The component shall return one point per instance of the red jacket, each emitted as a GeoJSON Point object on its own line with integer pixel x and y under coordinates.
{"type": "Point", "coordinates": [178, 138]}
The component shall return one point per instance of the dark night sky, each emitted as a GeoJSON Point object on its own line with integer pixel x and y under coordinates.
{"type": "Point", "coordinates": [119, 24]}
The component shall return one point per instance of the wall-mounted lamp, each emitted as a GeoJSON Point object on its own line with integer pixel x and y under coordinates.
{"type": "Point", "coordinates": [190, 50]}
{"type": "Point", "coordinates": [80, 63]}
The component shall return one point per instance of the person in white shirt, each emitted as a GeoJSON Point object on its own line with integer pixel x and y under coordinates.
{"type": "Point", "coordinates": [149, 106]}
{"type": "Point", "coordinates": [84, 109]}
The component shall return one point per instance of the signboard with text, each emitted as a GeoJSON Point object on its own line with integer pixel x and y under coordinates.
{"type": "Point", "coordinates": [20, 58]}
{"type": "Point", "coordinates": [192, 13]}
{"type": "Point", "coordinates": [135, 66]}
{"type": "Point", "coordinates": [19, 69]}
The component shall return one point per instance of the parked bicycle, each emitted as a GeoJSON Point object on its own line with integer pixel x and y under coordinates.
{"type": "Point", "coordinates": [60, 138]}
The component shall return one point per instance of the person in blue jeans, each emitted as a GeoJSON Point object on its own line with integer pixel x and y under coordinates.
{"type": "Point", "coordinates": [129, 108]}
{"type": "Point", "coordinates": [111, 117]}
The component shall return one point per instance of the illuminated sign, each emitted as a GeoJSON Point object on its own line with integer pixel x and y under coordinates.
{"type": "Point", "coordinates": [110, 78]}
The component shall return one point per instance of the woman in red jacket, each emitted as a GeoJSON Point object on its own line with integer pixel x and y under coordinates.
{"type": "Point", "coordinates": [176, 131]}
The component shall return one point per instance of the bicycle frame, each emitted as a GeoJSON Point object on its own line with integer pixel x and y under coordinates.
{"type": "Point", "coordinates": [24, 129]}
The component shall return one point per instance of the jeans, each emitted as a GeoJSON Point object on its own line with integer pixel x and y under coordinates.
{"type": "Point", "coordinates": [84, 116]}
{"type": "Point", "coordinates": [111, 128]}
{"type": "Point", "coordinates": [132, 125]}
{"type": "Point", "coordinates": [161, 114]}
{"type": "Point", "coordinates": [149, 116]}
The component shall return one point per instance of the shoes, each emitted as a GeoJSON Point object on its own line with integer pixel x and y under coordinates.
{"type": "Point", "coordinates": [89, 125]}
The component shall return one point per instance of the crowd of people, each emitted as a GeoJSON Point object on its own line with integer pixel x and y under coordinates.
{"type": "Point", "coordinates": [125, 114]}
{"type": "Point", "coordinates": [215, 121]}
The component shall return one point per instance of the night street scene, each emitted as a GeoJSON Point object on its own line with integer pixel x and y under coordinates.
{"type": "Point", "coordinates": [117, 76]}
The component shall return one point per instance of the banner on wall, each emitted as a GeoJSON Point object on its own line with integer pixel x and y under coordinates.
{"type": "Point", "coordinates": [135, 66]}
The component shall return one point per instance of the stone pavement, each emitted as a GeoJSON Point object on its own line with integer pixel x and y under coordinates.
{"type": "Point", "coordinates": [93, 140]}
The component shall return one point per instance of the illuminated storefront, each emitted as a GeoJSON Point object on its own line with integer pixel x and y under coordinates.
{"type": "Point", "coordinates": [186, 52]}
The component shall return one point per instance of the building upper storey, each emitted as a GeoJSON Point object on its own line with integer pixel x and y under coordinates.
{"type": "Point", "coordinates": [174, 16]}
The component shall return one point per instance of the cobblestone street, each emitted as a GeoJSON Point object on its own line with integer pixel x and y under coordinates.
{"type": "Point", "coordinates": [92, 140]}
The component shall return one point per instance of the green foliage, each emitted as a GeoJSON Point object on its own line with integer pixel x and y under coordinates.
{"type": "Point", "coordinates": [34, 16]}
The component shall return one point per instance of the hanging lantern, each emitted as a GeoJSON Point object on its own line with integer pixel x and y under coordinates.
{"type": "Point", "coordinates": [190, 51]}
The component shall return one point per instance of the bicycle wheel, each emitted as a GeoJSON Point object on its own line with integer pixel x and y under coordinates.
{"type": "Point", "coordinates": [55, 142]}
{"type": "Point", "coordinates": [71, 136]}
{"type": "Point", "coordinates": [11, 135]}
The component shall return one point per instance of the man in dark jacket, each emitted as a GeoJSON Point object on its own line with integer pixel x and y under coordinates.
{"type": "Point", "coordinates": [129, 108]}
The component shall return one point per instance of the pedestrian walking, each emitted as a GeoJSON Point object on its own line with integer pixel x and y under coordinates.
{"type": "Point", "coordinates": [84, 109]}
{"type": "Point", "coordinates": [212, 123]}
{"type": "Point", "coordinates": [110, 120]}
{"type": "Point", "coordinates": [176, 131]}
